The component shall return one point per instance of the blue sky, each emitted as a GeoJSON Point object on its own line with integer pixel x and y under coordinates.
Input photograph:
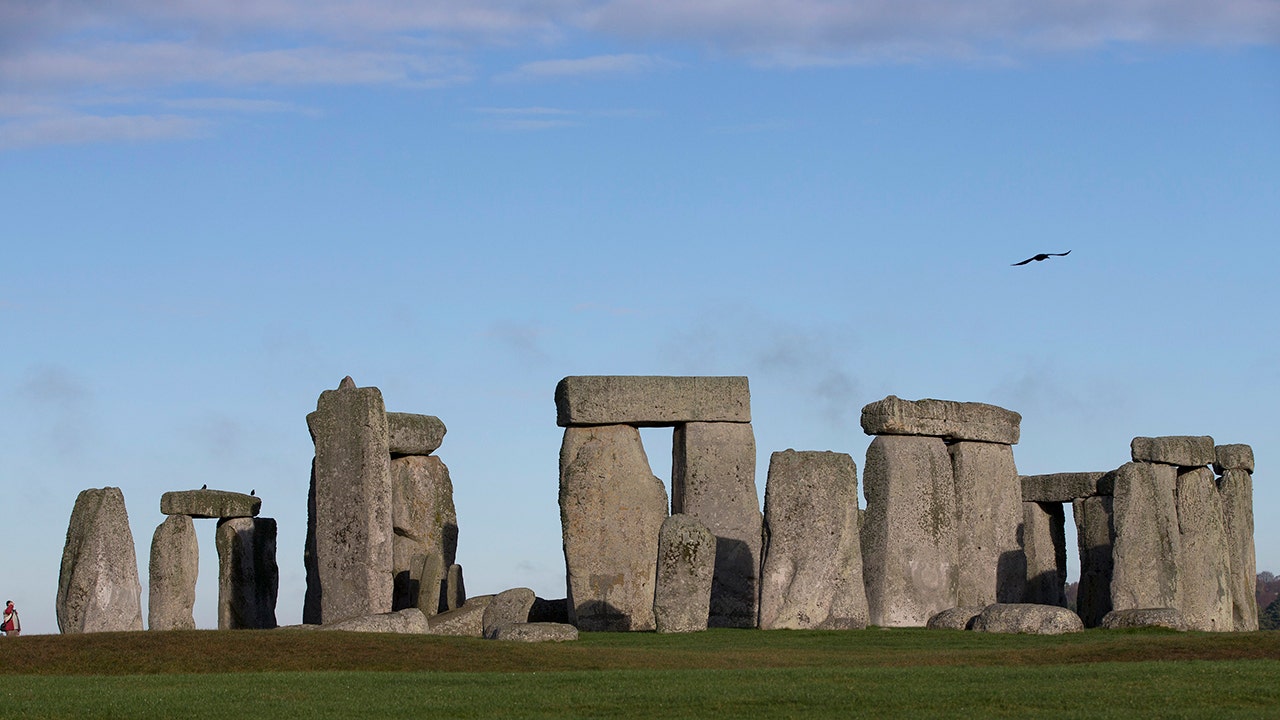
{"type": "Point", "coordinates": [213, 212]}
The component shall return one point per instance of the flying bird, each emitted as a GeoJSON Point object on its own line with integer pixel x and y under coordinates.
{"type": "Point", "coordinates": [1041, 256]}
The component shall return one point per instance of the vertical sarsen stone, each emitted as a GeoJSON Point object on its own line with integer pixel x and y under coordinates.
{"type": "Point", "coordinates": [175, 563]}
{"type": "Point", "coordinates": [98, 586]}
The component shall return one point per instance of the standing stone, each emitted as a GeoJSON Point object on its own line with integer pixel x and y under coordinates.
{"type": "Point", "coordinates": [175, 563]}
{"type": "Point", "coordinates": [1044, 542]}
{"type": "Point", "coordinates": [455, 591]}
{"type": "Point", "coordinates": [1236, 487]}
{"type": "Point", "coordinates": [353, 548]}
{"type": "Point", "coordinates": [98, 586]}
{"type": "Point", "coordinates": [1204, 572]}
{"type": "Point", "coordinates": [992, 565]}
{"type": "Point", "coordinates": [248, 577]}
{"type": "Point", "coordinates": [1094, 538]}
{"type": "Point", "coordinates": [651, 400]}
{"type": "Point", "coordinates": [686, 564]}
{"type": "Point", "coordinates": [713, 479]}
{"type": "Point", "coordinates": [311, 597]}
{"type": "Point", "coordinates": [909, 539]}
{"type": "Point", "coordinates": [611, 509]}
{"type": "Point", "coordinates": [423, 517]}
{"type": "Point", "coordinates": [812, 576]}
{"type": "Point", "coordinates": [1147, 541]}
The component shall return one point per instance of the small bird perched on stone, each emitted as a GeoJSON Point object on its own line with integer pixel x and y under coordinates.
{"type": "Point", "coordinates": [1041, 256]}
{"type": "Point", "coordinates": [204, 486]}
{"type": "Point", "coordinates": [252, 492]}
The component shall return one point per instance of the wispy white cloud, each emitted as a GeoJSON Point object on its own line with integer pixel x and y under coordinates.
{"type": "Point", "coordinates": [74, 129]}
{"type": "Point", "coordinates": [239, 105]}
{"type": "Point", "coordinates": [528, 118]}
{"type": "Point", "coordinates": [595, 65]}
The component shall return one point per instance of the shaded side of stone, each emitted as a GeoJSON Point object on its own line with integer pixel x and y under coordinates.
{"type": "Point", "coordinates": [175, 563]}
{"type": "Point", "coordinates": [713, 479]}
{"type": "Point", "coordinates": [466, 621]}
{"type": "Point", "coordinates": [248, 577]}
{"type": "Point", "coordinates": [956, 618]}
{"type": "Point", "coordinates": [909, 539]}
{"type": "Point", "coordinates": [98, 585]}
{"type": "Point", "coordinates": [411, 434]}
{"type": "Point", "coordinates": [507, 607]}
{"type": "Point", "coordinates": [552, 611]}
{"type": "Point", "coordinates": [1065, 487]}
{"type": "Point", "coordinates": [210, 504]}
{"type": "Point", "coordinates": [1027, 618]}
{"type": "Point", "coordinates": [1232, 457]}
{"type": "Point", "coordinates": [409, 621]}
{"type": "Point", "coordinates": [1044, 543]}
{"type": "Point", "coordinates": [941, 418]}
{"type": "Point", "coordinates": [1204, 570]}
{"type": "Point", "coordinates": [611, 509]}
{"type": "Point", "coordinates": [1236, 487]}
{"type": "Point", "coordinates": [686, 564]}
{"type": "Point", "coordinates": [311, 598]}
{"type": "Point", "coordinates": [1095, 537]}
{"type": "Point", "coordinates": [812, 576]}
{"type": "Point", "coordinates": [1180, 450]}
{"type": "Point", "coordinates": [651, 400]}
{"type": "Point", "coordinates": [1133, 618]}
{"type": "Point", "coordinates": [1147, 541]}
{"type": "Point", "coordinates": [992, 564]}
{"type": "Point", "coordinates": [455, 590]}
{"type": "Point", "coordinates": [425, 524]}
{"type": "Point", "coordinates": [535, 632]}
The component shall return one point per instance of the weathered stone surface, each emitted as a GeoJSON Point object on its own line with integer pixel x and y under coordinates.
{"type": "Point", "coordinates": [1232, 457]}
{"type": "Point", "coordinates": [175, 563]}
{"type": "Point", "coordinates": [455, 591]}
{"type": "Point", "coordinates": [941, 418]}
{"type": "Point", "coordinates": [1236, 487]}
{"type": "Point", "coordinates": [1065, 487]}
{"type": "Point", "coordinates": [352, 523]}
{"type": "Point", "coordinates": [956, 618]}
{"type": "Point", "coordinates": [713, 479]}
{"type": "Point", "coordinates": [611, 509]}
{"type": "Point", "coordinates": [651, 400]}
{"type": "Point", "coordinates": [311, 597]}
{"type": "Point", "coordinates": [1094, 538]}
{"type": "Point", "coordinates": [1027, 618]}
{"type": "Point", "coordinates": [411, 434]}
{"type": "Point", "coordinates": [992, 564]}
{"type": "Point", "coordinates": [1143, 618]}
{"type": "Point", "coordinates": [410, 621]}
{"type": "Point", "coordinates": [812, 575]}
{"type": "Point", "coordinates": [466, 621]}
{"type": "Point", "coordinates": [1204, 571]}
{"type": "Point", "coordinates": [686, 563]}
{"type": "Point", "coordinates": [535, 632]}
{"type": "Point", "coordinates": [1180, 450]}
{"type": "Point", "coordinates": [98, 586]}
{"type": "Point", "coordinates": [552, 611]}
{"type": "Point", "coordinates": [210, 504]}
{"type": "Point", "coordinates": [909, 538]}
{"type": "Point", "coordinates": [1044, 543]}
{"type": "Point", "coordinates": [507, 607]}
{"type": "Point", "coordinates": [248, 577]}
{"type": "Point", "coordinates": [424, 519]}
{"type": "Point", "coordinates": [1147, 542]}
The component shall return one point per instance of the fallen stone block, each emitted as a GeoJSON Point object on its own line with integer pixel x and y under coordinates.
{"type": "Point", "coordinates": [248, 577]}
{"type": "Point", "coordinates": [410, 621]}
{"type": "Point", "coordinates": [1065, 487]}
{"type": "Point", "coordinates": [941, 418]}
{"type": "Point", "coordinates": [1180, 450]}
{"type": "Point", "coordinates": [992, 566]}
{"type": "Point", "coordinates": [1204, 573]}
{"type": "Point", "coordinates": [1236, 488]}
{"type": "Point", "coordinates": [1148, 547]}
{"type": "Point", "coordinates": [535, 632]}
{"type": "Point", "coordinates": [651, 400]}
{"type": "Point", "coordinates": [508, 606]}
{"type": "Point", "coordinates": [1232, 457]}
{"type": "Point", "coordinates": [410, 434]}
{"type": "Point", "coordinates": [175, 564]}
{"type": "Point", "coordinates": [1133, 618]}
{"type": "Point", "coordinates": [1044, 544]}
{"type": "Point", "coordinates": [686, 563]}
{"type": "Point", "coordinates": [210, 504]}
{"type": "Point", "coordinates": [466, 621]}
{"type": "Point", "coordinates": [956, 618]}
{"type": "Point", "coordinates": [98, 586]}
{"type": "Point", "coordinates": [1026, 618]}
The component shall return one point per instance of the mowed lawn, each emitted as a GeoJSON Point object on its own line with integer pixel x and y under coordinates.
{"type": "Point", "coordinates": [718, 673]}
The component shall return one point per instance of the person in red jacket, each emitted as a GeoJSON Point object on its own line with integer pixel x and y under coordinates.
{"type": "Point", "coordinates": [11, 626]}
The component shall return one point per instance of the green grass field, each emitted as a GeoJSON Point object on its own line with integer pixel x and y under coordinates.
{"type": "Point", "coordinates": [719, 673]}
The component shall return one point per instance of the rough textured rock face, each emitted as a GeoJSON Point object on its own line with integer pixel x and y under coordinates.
{"type": "Point", "coordinates": [1236, 487]}
{"type": "Point", "coordinates": [713, 479]}
{"type": "Point", "coordinates": [410, 434]}
{"type": "Point", "coordinates": [1094, 538]}
{"type": "Point", "coordinates": [1027, 618]}
{"type": "Point", "coordinates": [956, 618]}
{"type": "Point", "coordinates": [535, 632]}
{"type": "Point", "coordinates": [1144, 617]}
{"type": "Point", "coordinates": [1044, 543]}
{"type": "Point", "coordinates": [1204, 575]}
{"type": "Point", "coordinates": [1147, 545]}
{"type": "Point", "coordinates": [1065, 487]}
{"type": "Point", "coordinates": [652, 401]}
{"type": "Point", "coordinates": [992, 564]}
{"type": "Point", "coordinates": [353, 548]}
{"type": "Point", "coordinates": [1232, 457]}
{"type": "Point", "coordinates": [210, 504]}
{"type": "Point", "coordinates": [175, 563]}
{"type": "Point", "coordinates": [455, 591]}
{"type": "Point", "coordinates": [1180, 450]}
{"type": "Point", "coordinates": [507, 607]}
{"type": "Point", "coordinates": [941, 418]}
{"type": "Point", "coordinates": [466, 621]}
{"type": "Point", "coordinates": [409, 621]}
{"type": "Point", "coordinates": [426, 527]}
{"type": "Point", "coordinates": [248, 578]}
{"type": "Point", "coordinates": [909, 539]}
{"type": "Point", "coordinates": [611, 509]}
{"type": "Point", "coordinates": [686, 564]}
{"type": "Point", "coordinates": [98, 586]}
{"type": "Point", "coordinates": [812, 575]}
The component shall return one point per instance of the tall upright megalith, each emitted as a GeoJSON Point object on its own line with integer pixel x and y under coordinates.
{"type": "Point", "coordinates": [1147, 544]}
{"type": "Point", "coordinates": [248, 577]}
{"type": "Point", "coordinates": [992, 566]}
{"type": "Point", "coordinates": [1204, 576]}
{"type": "Point", "coordinates": [1044, 544]}
{"type": "Point", "coordinates": [1095, 537]}
{"type": "Point", "coordinates": [98, 586]}
{"type": "Point", "coordinates": [175, 563]}
{"type": "Point", "coordinates": [686, 564]}
{"type": "Point", "coordinates": [426, 531]}
{"type": "Point", "coordinates": [1234, 465]}
{"type": "Point", "coordinates": [353, 549]}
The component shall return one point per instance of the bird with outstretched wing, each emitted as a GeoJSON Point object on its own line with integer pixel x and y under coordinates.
{"type": "Point", "coordinates": [1041, 256]}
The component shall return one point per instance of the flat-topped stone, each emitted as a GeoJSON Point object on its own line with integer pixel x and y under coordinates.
{"type": "Point", "coordinates": [410, 434]}
{"type": "Point", "coordinates": [410, 621]}
{"type": "Point", "coordinates": [535, 632]}
{"type": "Point", "coordinates": [651, 400]}
{"type": "Point", "coordinates": [1232, 457]}
{"type": "Point", "coordinates": [220, 504]}
{"type": "Point", "coordinates": [1065, 487]}
{"type": "Point", "coordinates": [941, 418]}
{"type": "Point", "coordinates": [1027, 618]}
{"type": "Point", "coordinates": [1180, 450]}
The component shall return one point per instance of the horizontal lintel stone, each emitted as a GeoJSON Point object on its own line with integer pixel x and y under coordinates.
{"type": "Point", "coordinates": [1233, 457]}
{"type": "Point", "coordinates": [210, 504]}
{"type": "Point", "coordinates": [942, 418]}
{"type": "Point", "coordinates": [1180, 450]}
{"type": "Point", "coordinates": [1065, 487]}
{"type": "Point", "coordinates": [411, 434]}
{"type": "Point", "coordinates": [651, 400]}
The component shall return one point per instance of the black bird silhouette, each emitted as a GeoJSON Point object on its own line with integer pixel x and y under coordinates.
{"type": "Point", "coordinates": [251, 492]}
{"type": "Point", "coordinates": [205, 486]}
{"type": "Point", "coordinates": [1041, 256]}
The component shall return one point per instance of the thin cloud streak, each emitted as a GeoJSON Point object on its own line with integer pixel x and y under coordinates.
{"type": "Point", "coordinates": [595, 65]}
{"type": "Point", "coordinates": [82, 129]}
